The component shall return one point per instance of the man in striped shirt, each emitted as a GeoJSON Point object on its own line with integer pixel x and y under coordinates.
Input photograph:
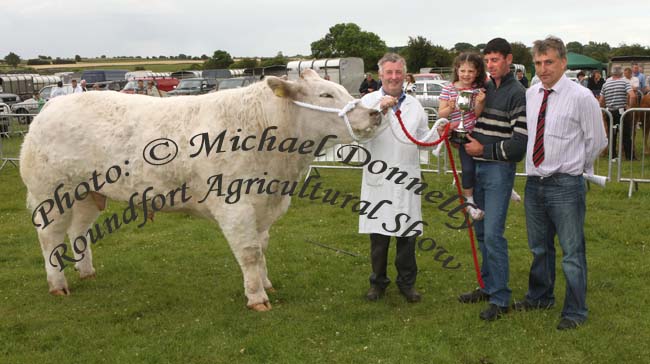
{"type": "Point", "coordinates": [497, 143]}
{"type": "Point", "coordinates": [616, 95]}
{"type": "Point", "coordinates": [566, 136]}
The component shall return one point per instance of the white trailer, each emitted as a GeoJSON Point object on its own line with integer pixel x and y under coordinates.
{"type": "Point", "coordinates": [347, 72]}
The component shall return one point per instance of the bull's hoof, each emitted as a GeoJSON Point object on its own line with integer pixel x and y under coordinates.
{"type": "Point", "coordinates": [90, 276]}
{"type": "Point", "coordinates": [260, 307]}
{"type": "Point", "coordinates": [60, 292]}
{"type": "Point", "coordinates": [270, 290]}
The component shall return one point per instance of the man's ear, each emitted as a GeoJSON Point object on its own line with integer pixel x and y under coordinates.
{"type": "Point", "coordinates": [282, 88]}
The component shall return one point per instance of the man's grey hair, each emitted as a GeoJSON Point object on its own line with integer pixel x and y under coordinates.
{"type": "Point", "coordinates": [551, 42]}
{"type": "Point", "coordinates": [617, 71]}
{"type": "Point", "coordinates": [391, 57]}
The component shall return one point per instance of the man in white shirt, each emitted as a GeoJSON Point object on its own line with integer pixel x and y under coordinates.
{"type": "Point", "coordinates": [566, 136]}
{"type": "Point", "coordinates": [58, 90]}
{"type": "Point", "coordinates": [76, 88]}
{"type": "Point", "coordinates": [634, 81]}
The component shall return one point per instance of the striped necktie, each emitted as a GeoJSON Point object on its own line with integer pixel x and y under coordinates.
{"type": "Point", "coordinates": [538, 151]}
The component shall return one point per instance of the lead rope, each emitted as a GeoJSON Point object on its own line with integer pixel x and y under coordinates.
{"type": "Point", "coordinates": [445, 133]}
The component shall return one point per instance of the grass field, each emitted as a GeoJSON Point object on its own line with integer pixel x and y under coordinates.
{"type": "Point", "coordinates": [171, 292]}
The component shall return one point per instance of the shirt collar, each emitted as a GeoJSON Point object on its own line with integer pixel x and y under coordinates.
{"type": "Point", "coordinates": [560, 85]}
{"type": "Point", "coordinates": [400, 99]}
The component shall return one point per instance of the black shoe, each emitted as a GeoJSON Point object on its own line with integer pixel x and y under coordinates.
{"type": "Point", "coordinates": [474, 296]}
{"type": "Point", "coordinates": [493, 312]}
{"type": "Point", "coordinates": [375, 293]}
{"type": "Point", "coordinates": [567, 324]}
{"type": "Point", "coordinates": [524, 305]}
{"type": "Point", "coordinates": [411, 295]}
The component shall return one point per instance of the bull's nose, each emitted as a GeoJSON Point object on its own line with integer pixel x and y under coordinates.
{"type": "Point", "coordinates": [375, 115]}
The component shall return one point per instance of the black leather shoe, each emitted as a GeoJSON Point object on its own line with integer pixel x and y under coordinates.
{"type": "Point", "coordinates": [567, 324]}
{"type": "Point", "coordinates": [411, 295]}
{"type": "Point", "coordinates": [473, 297]}
{"type": "Point", "coordinates": [375, 293]}
{"type": "Point", "coordinates": [524, 305]}
{"type": "Point", "coordinates": [493, 312]}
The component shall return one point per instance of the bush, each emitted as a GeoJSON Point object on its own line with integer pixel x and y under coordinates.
{"type": "Point", "coordinates": [38, 61]}
{"type": "Point", "coordinates": [63, 61]}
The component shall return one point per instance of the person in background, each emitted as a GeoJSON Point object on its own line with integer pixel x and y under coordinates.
{"type": "Point", "coordinates": [75, 87]}
{"type": "Point", "coordinates": [521, 77]}
{"type": "Point", "coordinates": [152, 90]}
{"type": "Point", "coordinates": [409, 84]}
{"type": "Point", "coordinates": [96, 87]}
{"type": "Point", "coordinates": [634, 82]}
{"type": "Point", "coordinates": [497, 143]}
{"type": "Point", "coordinates": [368, 85]}
{"type": "Point", "coordinates": [39, 100]}
{"type": "Point", "coordinates": [83, 86]}
{"type": "Point", "coordinates": [638, 73]}
{"type": "Point", "coordinates": [469, 69]}
{"type": "Point", "coordinates": [595, 83]}
{"type": "Point", "coordinates": [617, 95]}
{"type": "Point", "coordinates": [58, 90]}
{"type": "Point", "coordinates": [139, 89]}
{"type": "Point", "coordinates": [556, 158]}
{"type": "Point", "coordinates": [582, 79]}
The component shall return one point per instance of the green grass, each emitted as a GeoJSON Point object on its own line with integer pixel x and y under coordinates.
{"type": "Point", "coordinates": [171, 292]}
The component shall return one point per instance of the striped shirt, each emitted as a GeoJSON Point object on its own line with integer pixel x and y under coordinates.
{"type": "Point", "coordinates": [450, 92]}
{"type": "Point", "coordinates": [615, 93]}
{"type": "Point", "coordinates": [501, 128]}
{"type": "Point", "coordinates": [573, 129]}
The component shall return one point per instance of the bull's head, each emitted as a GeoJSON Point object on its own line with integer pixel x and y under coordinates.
{"type": "Point", "coordinates": [320, 95]}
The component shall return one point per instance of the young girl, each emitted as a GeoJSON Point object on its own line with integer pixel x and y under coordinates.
{"type": "Point", "coordinates": [469, 75]}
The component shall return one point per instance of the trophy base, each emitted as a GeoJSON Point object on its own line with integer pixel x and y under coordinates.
{"type": "Point", "coordinates": [459, 136]}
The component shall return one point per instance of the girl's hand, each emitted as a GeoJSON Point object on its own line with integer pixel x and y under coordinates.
{"type": "Point", "coordinates": [452, 103]}
{"type": "Point", "coordinates": [480, 98]}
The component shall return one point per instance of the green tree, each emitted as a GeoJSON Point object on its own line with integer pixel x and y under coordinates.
{"type": "Point", "coordinates": [575, 47]}
{"type": "Point", "coordinates": [279, 59]}
{"type": "Point", "coordinates": [630, 50]}
{"type": "Point", "coordinates": [480, 47]}
{"type": "Point", "coordinates": [348, 40]}
{"type": "Point", "coordinates": [417, 53]}
{"type": "Point", "coordinates": [220, 59]}
{"type": "Point", "coordinates": [521, 54]}
{"type": "Point", "coordinates": [463, 47]}
{"type": "Point", "coordinates": [12, 59]}
{"type": "Point", "coordinates": [441, 57]}
{"type": "Point", "coordinates": [599, 51]}
{"type": "Point", "coordinates": [77, 58]}
{"type": "Point", "coordinates": [245, 62]}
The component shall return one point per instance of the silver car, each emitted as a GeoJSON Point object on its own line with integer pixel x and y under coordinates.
{"type": "Point", "coordinates": [428, 92]}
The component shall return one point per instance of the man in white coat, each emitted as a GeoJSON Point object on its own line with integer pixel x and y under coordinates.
{"type": "Point", "coordinates": [403, 208]}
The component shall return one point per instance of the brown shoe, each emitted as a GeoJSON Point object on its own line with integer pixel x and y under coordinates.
{"type": "Point", "coordinates": [412, 296]}
{"type": "Point", "coordinates": [375, 293]}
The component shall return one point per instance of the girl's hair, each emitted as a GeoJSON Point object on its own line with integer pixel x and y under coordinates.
{"type": "Point", "coordinates": [410, 78]}
{"type": "Point", "coordinates": [477, 61]}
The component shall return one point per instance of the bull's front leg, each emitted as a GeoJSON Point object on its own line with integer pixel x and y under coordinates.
{"type": "Point", "coordinates": [245, 244]}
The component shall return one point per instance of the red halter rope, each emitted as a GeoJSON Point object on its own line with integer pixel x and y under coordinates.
{"type": "Point", "coordinates": [444, 138]}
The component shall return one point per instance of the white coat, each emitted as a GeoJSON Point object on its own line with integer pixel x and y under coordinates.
{"type": "Point", "coordinates": [392, 147]}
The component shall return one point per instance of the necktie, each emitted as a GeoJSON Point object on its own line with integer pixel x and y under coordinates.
{"type": "Point", "coordinates": [538, 151]}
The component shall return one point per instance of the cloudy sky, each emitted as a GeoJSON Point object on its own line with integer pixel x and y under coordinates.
{"type": "Point", "coordinates": [63, 28]}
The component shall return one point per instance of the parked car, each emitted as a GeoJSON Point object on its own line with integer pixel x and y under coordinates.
{"type": "Point", "coordinates": [428, 92]}
{"type": "Point", "coordinates": [192, 86]}
{"type": "Point", "coordinates": [8, 98]}
{"type": "Point", "coordinates": [427, 76]}
{"type": "Point", "coordinates": [237, 82]}
{"type": "Point", "coordinates": [47, 90]}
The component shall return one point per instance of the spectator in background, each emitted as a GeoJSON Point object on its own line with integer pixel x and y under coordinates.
{"type": "Point", "coordinates": [76, 88]}
{"type": "Point", "coordinates": [83, 86]}
{"type": "Point", "coordinates": [39, 100]}
{"type": "Point", "coordinates": [617, 95]}
{"type": "Point", "coordinates": [634, 82]}
{"type": "Point", "coordinates": [139, 89]}
{"type": "Point", "coordinates": [582, 79]}
{"type": "Point", "coordinates": [409, 84]}
{"type": "Point", "coordinates": [152, 90]}
{"type": "Point", "coordinates": [96, 87]}
{"type": "Point", "coordinates": [326, 77]}
{"type": "Point", "coordinates": [638, 73]}
{"type": "Point", "coordinates": [595, 83]}
{"type": "Point", "coordinates": [368, 85]}
{"type": "Point", "coordinates": [521, 77]}
{"type": "Point", "coordinates": [58, 90]}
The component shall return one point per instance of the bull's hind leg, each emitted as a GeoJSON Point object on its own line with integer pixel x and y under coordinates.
{"type": "Point", "coordinates": [264, 239]}
{"type": "Point", "coordinates": [84, 213]}
{"type": "Point", "coordinates": [245, 244]}
{"type": "Point", "coordinates": [52, 242]}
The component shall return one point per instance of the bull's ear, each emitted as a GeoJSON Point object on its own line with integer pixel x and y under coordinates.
{"type": "Point", "coordinates": [309, 73]}
{"type": "Point", "coordinates": [282, 88]}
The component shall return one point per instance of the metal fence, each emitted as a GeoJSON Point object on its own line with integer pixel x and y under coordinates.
{"type": "Point", "coordinates": [13, 128]}
{"type": "Point", "coordinates": [631, 168]}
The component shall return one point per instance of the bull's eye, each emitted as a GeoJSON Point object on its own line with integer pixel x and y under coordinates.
{"type": "Point", "coordinates": [326, 95]}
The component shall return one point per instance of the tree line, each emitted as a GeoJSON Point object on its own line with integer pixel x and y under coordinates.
{"type": "Point", "coordinates": [349, 40]}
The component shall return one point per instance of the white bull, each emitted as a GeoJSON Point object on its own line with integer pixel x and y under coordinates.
{"type": "Point", "coordinates": [84, 148]}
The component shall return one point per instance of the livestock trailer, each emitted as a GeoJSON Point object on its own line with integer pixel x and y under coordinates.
{"type": "Point", "coordinates": [348, 72]}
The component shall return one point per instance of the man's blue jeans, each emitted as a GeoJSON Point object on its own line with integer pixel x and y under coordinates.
{"type": "Point", "coordinates": [494, 181]}
{"type": "Point", "coordinates": [556, 205]}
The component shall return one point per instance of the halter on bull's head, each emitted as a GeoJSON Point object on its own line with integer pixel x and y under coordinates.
{"type": "Point", "coordinates": [322, 101]}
